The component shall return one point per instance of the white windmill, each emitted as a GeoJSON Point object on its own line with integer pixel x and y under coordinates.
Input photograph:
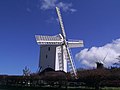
{"type": "Point", "coordinates": [54, 50]}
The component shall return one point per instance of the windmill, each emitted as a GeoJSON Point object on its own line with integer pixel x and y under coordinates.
{"type": "Point", "coordinates": [55, 50]}
{"type": "Point", "coordinates": [100, 63]}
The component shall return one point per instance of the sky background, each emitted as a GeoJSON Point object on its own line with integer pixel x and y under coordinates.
{"type": "Point", "coordinates": [96, 22]}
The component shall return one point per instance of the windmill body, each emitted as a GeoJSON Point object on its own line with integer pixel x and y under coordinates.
{"type": "Point", "coordinates": [51, 53]}
{"type": "Point", "coordinates": [51, 57]}
{"type": "Point", "coordinates": [55, 50]}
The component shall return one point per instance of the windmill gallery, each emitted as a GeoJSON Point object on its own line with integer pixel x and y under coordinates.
{"type": "Point", "coordinates": [55, 59]}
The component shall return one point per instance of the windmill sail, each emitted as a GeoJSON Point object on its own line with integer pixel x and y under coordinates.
{"type": "Point", "coordinates": [61, 22]}
{"type": "Point", "coordinates": [70, 62]}
{"type": "Point", "coordinates": [66, 50]}
{"type": "Point", "coordinates": [75, 43]}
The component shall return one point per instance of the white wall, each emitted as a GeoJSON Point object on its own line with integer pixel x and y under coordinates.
{"type": "Point", "coordinates": [49, 57]}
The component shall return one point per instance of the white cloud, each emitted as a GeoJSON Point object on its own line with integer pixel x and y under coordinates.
{"type": "Point", "coordinates": [88, 57]}
{"type": "Point", "coordinates": [48, 4]}
{"type": "Point", "coordinates": [51, 4]}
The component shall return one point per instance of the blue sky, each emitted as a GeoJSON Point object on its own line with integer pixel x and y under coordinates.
{"type": "Point", "coordinates": [97, 22]}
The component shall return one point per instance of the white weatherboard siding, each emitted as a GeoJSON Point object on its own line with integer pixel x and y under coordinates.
{"type": "Point", "coordinates": [64, 60]}
{"type": "Point", "coordinates": [58, 59]}
{"type": "Point", "coordinates": [58, 50]}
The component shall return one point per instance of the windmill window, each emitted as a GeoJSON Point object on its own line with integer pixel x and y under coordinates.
{"type": "Point", "coordinates": [48, 48]}
{"type": "Point", "coordinates": [46, 56]}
